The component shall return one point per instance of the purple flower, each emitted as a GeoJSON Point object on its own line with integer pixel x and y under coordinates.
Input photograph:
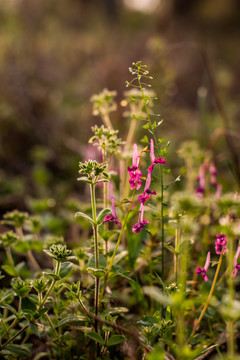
{"type": "Point", "coordinates": [236, 267]}
{"type": "Point", "coordinates": [147, 192]}
{"type": "Point", "coordinates": [141, 223]}
{"type": "Point", "coordinates": [220, 243]}
{"type": "Point", "coordinates": [134, 173]}
{"type": "Point", "coordinates": [152, 156]}
{"type": "Point", "coordinates": [113, 216]}
{"type": "Point", "coordinates": [203, 270]}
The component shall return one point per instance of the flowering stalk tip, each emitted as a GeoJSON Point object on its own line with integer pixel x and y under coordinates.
{"type": "Point", "coordinates": [203, 271]}
{"type": "Point", "coordinates": [113, 216]}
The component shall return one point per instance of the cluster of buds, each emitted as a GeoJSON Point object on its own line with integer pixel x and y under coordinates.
{"type": "Point", "coordinates": [211, 170]}
{"type": "Point", "coordinates": [92, 171]}
{"type": "Point", "coordinates": [106, 139]}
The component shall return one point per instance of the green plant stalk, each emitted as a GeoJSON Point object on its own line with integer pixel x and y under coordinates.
{"type": "Point", "coordinates": [96, 251]}
{"type": "Point", "coordinates": [176, 254]}
{"type": "Point", "coordinates": [14, 337]}
{"type": "Point", "coordinates": [230, 323]}
{"type": "Point", "coordinates": [161, 170]}
{"type": "Point", "coordinates": [16, 320]}
{"type": "Point", "coordinates": [117, 244]}
{"type": "Point", "coordinates": [29, 254]}
{"type": "Point", "coordinates": [107, 122]}
{"type": "Point", "coordinates": [209, 297]}
{"type": "Point", "coordinates": [57, 270]}
{"type": "Point", "coordinates": [105, 201]}
{"type": "Point", "coordinates": [183, 264]}
{"type": "Point", "coordinates": [9, 256]}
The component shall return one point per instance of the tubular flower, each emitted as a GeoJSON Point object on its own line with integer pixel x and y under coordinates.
{"type": "Point", "coordinates": [220, 243]}
{"type": "Point", "coordinates": [201, 181]}
{"type": "Point", "coordinates": [134, 173]}
{"type": "Point", "coordinates": [236, 267]}
{"type": "Point", "coordinates": [203, 270]}
{"type": "Point", "coordinates": [152, 156]}
{"type": "Point", "coordinates": [147, 192]}
{"type": "Point", "coordinates": [113, 216]}
{"type": "Point", "coordinates": [141, 223]}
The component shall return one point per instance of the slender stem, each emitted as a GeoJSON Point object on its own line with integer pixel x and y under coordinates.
{"type": "Point", "coordinates": [209, 297]}
{"type": "Point", "coordinates": [117, 244]}
{"type": "Point", "coordinates": [176, 254]}
{"type": "Point", "coordinates": [161, 170]}
{"type": "Point", "coordinates": [14, 336]}
{"type": "Point", "coordinates": [230, 323]}
{"type": "Point", "coordinates": [9, 255]}
{"type": "Point", "coordinates": [106, 120]}
{"type": "Point", "coordinates": [51, 286]}
{"type": "Point", "coordinates": [96, 251]}
{"type": "Point", "coordinates": [29, 254]}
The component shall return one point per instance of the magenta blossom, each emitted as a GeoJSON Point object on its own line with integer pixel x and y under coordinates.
{"type": "Point", "coordinates": [203, 270]}
{"type": "Point", "coordinates": [236, 267]}
{"type": "Point", "coordinates": [113, 216]}
{"type": "Point", "coordinates": [152, 156]}
{"type": "Point", "coordinates": [147, 192]}
{"type": "Point", "coordinates": [134, 173]}
{"type": "Point", "coordinates": [141, 223]}
{"type": "Point", "coordinates": [220, 243]}
{"type": "Point", "coordinates": [201, 181]}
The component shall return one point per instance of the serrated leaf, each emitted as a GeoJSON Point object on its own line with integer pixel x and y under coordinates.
{"type": "Point", "coordinates": [96, 337]}
{"type": "Point", "coordinates": [73, 319]}
{"type": "Point", "coordinates": [102, 215]}
{"type": "Point", "coordinates": [20, 350]}
{"type": "Point", "coordinates": [84, 216]}
{"type": "Point", "coordinates": [116, 339]}
{"type": "Point", "coordinates": [65, 269]}
{"type": "Point", "coordinates": [10, 270]}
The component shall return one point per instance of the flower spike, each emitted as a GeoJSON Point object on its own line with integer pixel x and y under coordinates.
{"type": "Point", "coordinates": [236, 267]}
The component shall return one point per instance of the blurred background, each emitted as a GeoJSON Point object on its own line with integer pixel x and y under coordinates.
{"type": "Point", "coordinates": [56, 54]}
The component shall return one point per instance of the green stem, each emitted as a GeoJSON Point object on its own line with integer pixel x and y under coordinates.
{"type": "Point", "coordinates": [209, 297]}
{"type": "Point", "coordinates": [161, 170]}
{"type": "Point", "coordinates": [230, 323]}
{"type": "Point", "coordinates": [96, 251]}
{"type": "Point", "coordinates": [14, 336]}
{"type": "Point", "coordinates": [117, 244]}
{"type": "Point", "coordinates": [29, 254]}
{"type": "Point", "coordinates": [51, 286]}
{"type": "Point", "coordinates": [9, 256]}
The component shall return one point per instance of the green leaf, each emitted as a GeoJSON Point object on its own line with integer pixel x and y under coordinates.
{"type": "Point", "coordinates": [65, 269]}
{"type": "Point", "coordinates": [28, 307]}
{"type": "Point", "coordinates": [146, 126]}
{"type": "Point", "coordinates": [84, 179]}
{"type": "Point", "coordinates": [39, 313]}
{"type": "Point", "coordinates": [73, 319]}
{"type": "Point", "coordinates": [144, 140]}
{"type": "Point", "coordinates": [102, 215]}
{"type": "Point", "coordinates": [96, 337]}
{"type": "Point", "coordinates": [10, 270]}
{"type": "Point", "coordinates": [158, 295]}
{"type": "Point", "coordinates": [116, 339]}
{"type": "Point", "coordinates": [9, 307]}
{"type": "Point", "coordinates": [101, 262]}
{"type": "Point", "coordinates": [97, 273]}
{"type": "Point", "coordinates": [84, 216]}
{"type": "Point", "coordinates": [53, 276]}
{"type": "Point", "coordinates": [22, 246]}
{"type": "Point", "coordinates": [163, 284]}
{"type": "Point", "coordinates": [38, 329]}
{"type": "Point", "coordinates": [20, 350]}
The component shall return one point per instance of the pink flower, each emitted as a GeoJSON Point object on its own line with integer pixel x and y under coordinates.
{"type": "Point", "coordinates": [147, 192]}
{"type": "Point", "coordinates": [113, 216]}
{"type": "Point", "coordinates": [201, 181]}
{"type": "Point", "coordinates": [203, 270]}
{"type": "Point", "coordinates": [220, 243]}
{"type": "Point", "coordinates": [236, 267]}
{"type": "Point", "coordinates": [152, 156]}
{"type": "Point", "coordinates": [141, 223]}
{"type": "Point", "coordinates": [134, 173]}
